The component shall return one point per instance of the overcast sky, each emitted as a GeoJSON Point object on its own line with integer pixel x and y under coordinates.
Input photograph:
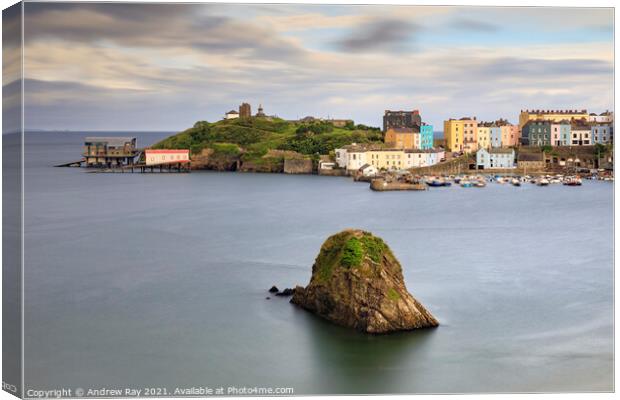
{"type": "Point", "coordinates": [165, 66]}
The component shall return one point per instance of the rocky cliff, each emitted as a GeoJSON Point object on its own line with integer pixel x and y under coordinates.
{"type": "Point", "coordinates": [357, 282]}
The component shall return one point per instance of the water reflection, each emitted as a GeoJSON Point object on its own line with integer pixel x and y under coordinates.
{"type": "Point", "coordinates": [373, 363]}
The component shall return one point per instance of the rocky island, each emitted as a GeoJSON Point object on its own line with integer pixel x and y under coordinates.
{"type": "Point", "coordinates": [357, 282]}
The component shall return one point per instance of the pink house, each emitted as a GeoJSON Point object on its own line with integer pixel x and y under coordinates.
{"type": "Point", "coordinates": [510, 135]}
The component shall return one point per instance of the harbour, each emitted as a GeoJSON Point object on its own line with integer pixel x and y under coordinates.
{"type": "Point", "coordinates": [206, 246]}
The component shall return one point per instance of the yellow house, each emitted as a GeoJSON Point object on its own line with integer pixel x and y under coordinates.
{"type": "Point", "coordinates": [386, 158]}
{"type": "Point", "coordinates": [550, 115]}
{"type": "Point", "coordinates": [484, 137]}
{"type": "Point", "coordinates": [402, 138]}
{"type": "Point", "coordinates": [453, 134]}
{"type": "Point", "coordinates": [461, 134]}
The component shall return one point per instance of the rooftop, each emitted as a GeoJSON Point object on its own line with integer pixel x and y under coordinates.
{"type": "Point", "coordinates": [555, 111]}
{"type": "Point", "coordinates": [496, 150]}
{"type": "Point", "coordinates": [110, 141]}
{"type": "Point", "coordinates": [415, 151]}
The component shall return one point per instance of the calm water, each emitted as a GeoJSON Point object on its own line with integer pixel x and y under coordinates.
{"type": "Point", "coordinates": [147, 280]}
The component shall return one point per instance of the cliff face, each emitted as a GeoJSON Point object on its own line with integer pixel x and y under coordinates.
{"type": "Point", "coordinates": [211, 160]}
{"type": "Point", "coordinates": [358, 283]}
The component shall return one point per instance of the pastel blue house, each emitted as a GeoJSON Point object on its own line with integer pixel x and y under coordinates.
{"type": "Point", "coordinates": [496, 136]}
{"type": "Point", "coordinates": [602, 134]}
{"type": "Point", "coordinates": [495, 158]}
{"type": "Point", "coordinates": [426, 137]}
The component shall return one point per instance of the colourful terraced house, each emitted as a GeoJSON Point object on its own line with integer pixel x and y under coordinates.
{"type": "Point", "coordinates": [426, 137]}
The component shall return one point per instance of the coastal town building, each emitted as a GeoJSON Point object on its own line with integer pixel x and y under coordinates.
{"type": "Point", "coordinates": [550, 115]}
{"type": "Point", "coordinates": [353, 157]}
{"type": "Point", "coordinates": [423, 158]}
{"type": "Point", "coordinates": [530, 161]}
{"type": "Point", "coordinates": [495, 158]}
{"type": "Point", "coordinates": [470, 138]}
{"type": "Point", "coordinates": [368, 170]}
{"type": "Point", "coordinates": [509, 135]}
{"type": "Point", "coordinates": [602, 133]}
{"type": "Point", "coordinates": [602, 118]}
{"type": "Point", "coordinates": [401, 119]}
{"type": "Point", "coordinates": [109, 152]}
{"type": "Point", "coordinates": [166, 156]}
{"type": "Point", "coordinates": [426, 136]}
{"type": "Point", "coordinates": [496, 136]}
{"type": "Point", "coordinates": [460, 134]}
{"type": "Point", "coordinates": [580, 134]}
{"type": "Point", "coordinates": [560, 133]}
{"type": "Point", "coordinates": [245, 110]}
{"type": "Point", "coordinates": [484, 135]}
{"type": "Point", "coordinates": [536, 133]}
{"type": "Point", "coordinates": [387, 159]}
{"type": "Point", "coordinates": [232, 114]}
{"type": "Point", "coordinates": [403, 138]}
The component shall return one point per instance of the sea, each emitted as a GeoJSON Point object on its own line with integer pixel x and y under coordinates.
{"type": "Point", "coordinates": [160, 281]}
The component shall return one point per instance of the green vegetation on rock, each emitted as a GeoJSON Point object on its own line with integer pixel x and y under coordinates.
{"type": "Point", "coordinates": [349, 250]}
{"type": "Point", "coordinates": [254, 137]}
{"type": "Point", "coordinates": [374, 247]}
{"type": "Point", "coordinates": [352, 253]}
{"type": "Point", "coordinates": [392, 294]}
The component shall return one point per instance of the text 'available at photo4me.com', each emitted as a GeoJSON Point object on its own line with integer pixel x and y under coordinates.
{"type": "Point", "coordinates": [160, 391]}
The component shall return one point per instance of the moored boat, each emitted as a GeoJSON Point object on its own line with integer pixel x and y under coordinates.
{"type": "Point", "coordinates": [572, 182]}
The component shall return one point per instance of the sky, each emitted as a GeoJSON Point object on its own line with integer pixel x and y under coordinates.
{"type": "Point", "coordinates": [106, 66]}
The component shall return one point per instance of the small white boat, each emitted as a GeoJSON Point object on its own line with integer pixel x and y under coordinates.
{"type": "Point", "coordinates": [542, 182]}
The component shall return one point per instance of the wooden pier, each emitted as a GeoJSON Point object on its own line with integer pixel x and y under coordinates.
{"type": "Point", "coordinates": [143, 168]}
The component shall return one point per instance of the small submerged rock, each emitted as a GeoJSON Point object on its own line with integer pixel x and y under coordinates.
{"type": "Point", "coordinates": [286, 292]}
{"type": "Point", "coordinates": [357, 282]}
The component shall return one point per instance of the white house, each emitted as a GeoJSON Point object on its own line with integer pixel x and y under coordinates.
{"type": "Point", "coordinates": [580, 135]}
{"type": "Point", "coordinates": [495, 158]}
{"type": "Point", "coordinates": [351, 157]}
{"type": "Point", "coordinates": [232, 114]}
{"type": "Point", "coordinates": [423, 158]}
{"type": "Point", "coordinates": [368, 170]}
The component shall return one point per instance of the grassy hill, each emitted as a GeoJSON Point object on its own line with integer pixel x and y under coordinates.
{"type": "Point", "coordinates": [251, 139]}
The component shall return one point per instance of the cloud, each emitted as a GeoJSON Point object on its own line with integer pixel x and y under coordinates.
{"type": "Point", "coordinates": [473, 25]}
{"type": "Point", "coordinates": [164, 26]}
{"type": "Point", "coordinates": [379, 34]}
{"type": "Point", "coordinates": [511, 66]}
{"type": "Point", "coordinates": [164, 66]}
